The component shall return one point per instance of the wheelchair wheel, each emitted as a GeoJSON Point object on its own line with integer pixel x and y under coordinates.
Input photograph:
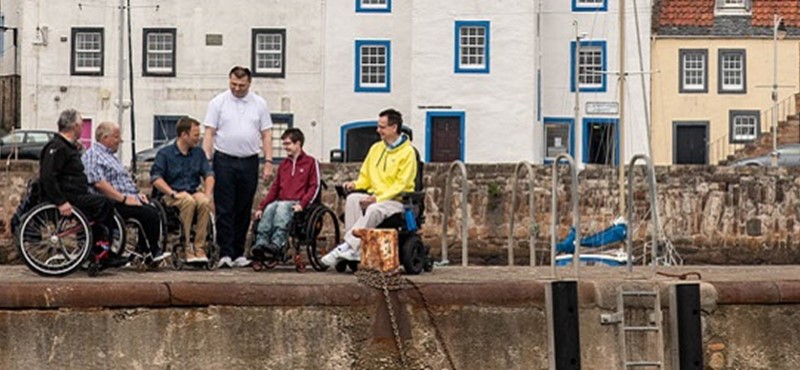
{"type": "Point", "coordinates": [119, 235]}
{"type": "Point", "coordinates": [212, 249]}
{"type": "Point", "coordinates": [322, 235]}
{"type": "Point", "coordinates": [51, 244]}
{"type": "Point", "coordinates": [412, 255]}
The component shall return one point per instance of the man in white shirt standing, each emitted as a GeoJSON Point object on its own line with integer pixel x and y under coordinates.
{"type": "Point", "coordinates": [237, 127]}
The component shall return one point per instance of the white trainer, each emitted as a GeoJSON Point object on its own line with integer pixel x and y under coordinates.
{"type": "Point", "coordinates": [341, 252]}
{"type": "Point", "coordinates": [225, 262]}
{"type": "Point", "coordinates": [242, 261]}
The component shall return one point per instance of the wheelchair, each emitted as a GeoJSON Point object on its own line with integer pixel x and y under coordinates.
{"type": "Point", "coordinates": [315, 229]}
{"type": "Point", "coordinates": [54, 245]}
{"type": "Point", "coordinates": [414, 254]}
{"type": "Point", "coordinates": [173, 235]}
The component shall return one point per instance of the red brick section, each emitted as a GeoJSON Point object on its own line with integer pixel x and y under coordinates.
{"type": "Point", "coordinates": [699, 13]}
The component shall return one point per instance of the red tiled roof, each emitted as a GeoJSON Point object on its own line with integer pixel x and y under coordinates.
{"type": "Point", "coordinates": [763, 11]}
{"type": "Point", "coordinates": [700, 13]}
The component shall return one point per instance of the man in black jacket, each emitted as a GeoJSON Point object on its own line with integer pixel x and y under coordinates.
{"type": "Point", "coordinates": [64, 183]}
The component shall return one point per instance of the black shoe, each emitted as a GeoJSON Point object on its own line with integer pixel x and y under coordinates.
{"type": "Point", "coordinates": [114, 260]}
{"type": "Point", "coordinates": [258, 252]}
{"type": "Point", "coordinates": [274, 249]}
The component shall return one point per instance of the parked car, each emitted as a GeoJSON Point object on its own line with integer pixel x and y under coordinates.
{"type": "Point", "coordinates": [788, 156]}
{"type": "Point", "coordinates": [149, 155]}
{"type": "Point", "coordinates": [27, 143]}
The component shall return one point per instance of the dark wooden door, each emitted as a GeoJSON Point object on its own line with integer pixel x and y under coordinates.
{"type": "Point", "coordinates": [445, 139]}
{"type": "Point", "coordinates": [690, 144]}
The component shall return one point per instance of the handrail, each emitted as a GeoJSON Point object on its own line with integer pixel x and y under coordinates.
{"type": "Point", "coordinates": [447, 194]}
{"type": "Point", "coordinates": [720, 148]}
{"type": "Point", "coordinates": [651, 177]}
{"type": "Point", "coordinates": [576, 217]}
{"type": "Point", "coordinates": [511, 240]}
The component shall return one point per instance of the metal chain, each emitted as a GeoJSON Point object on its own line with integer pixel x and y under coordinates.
{"type": "Point", "coordinates": [391, 282]}
{"type": "Point", "coordinates": [378, 280]}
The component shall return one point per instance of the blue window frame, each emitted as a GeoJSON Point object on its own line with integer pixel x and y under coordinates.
{"type": "Point", "coordinates": [373, 66]}
{"type": "Point", "coordinates": [2, 34]}
{"type": "Point", "coordinates": [373, 6]}
{"type": "Point", "coordinates": [589, 5]}
{"type": "Point", "coordinates": [472, 47]}
{"type": "Point", "coordinates": [559, 137]}
{"type": "Point", "coordinates": [592, 68]}
{"type": "Point", "coordinates": [429, 116]}
{"type": "Point", "coordinates": [588, 138]}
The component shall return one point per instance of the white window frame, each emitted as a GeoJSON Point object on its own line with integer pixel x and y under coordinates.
{"type": "Point", "coordinates": [745, 126]}
{"type": "Point", "coordinates": [79, 51]}
{"type": "Point", "coordinates": [367, 64]}
{"type": "Point", "coordinates": [732, 76]}
{"type": "Point", "coordinates": [697, 82]}
{"type": "Point", "coordinates": [373, 6]}
{"type": "Point", "coordinates": [258, 52]}
{"type": "Point", "coordinates": [472, 46]}
{"type": "Point", "coordinates": [152, 50]}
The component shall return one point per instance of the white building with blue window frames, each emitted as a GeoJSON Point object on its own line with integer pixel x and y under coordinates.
{"type": "Point", "coordinates": [595, 137]}
{"type": "Point", "coordinates": [476, 81]}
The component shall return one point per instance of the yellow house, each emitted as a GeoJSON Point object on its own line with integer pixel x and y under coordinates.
{"type": "Point", "coordinates": [712, 83]}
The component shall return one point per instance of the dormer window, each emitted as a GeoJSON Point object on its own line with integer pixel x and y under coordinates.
{"type": "Point", "coordinates": [732, 7]}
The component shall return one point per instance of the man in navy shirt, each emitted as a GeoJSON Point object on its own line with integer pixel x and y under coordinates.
{"type": "Point", "coordinates": [177, 172]}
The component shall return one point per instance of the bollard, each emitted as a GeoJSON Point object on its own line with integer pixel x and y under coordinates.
{"type": "Point", "coordinates": [687, 338]}
{"type": "Point", "coordinates": [563, 325]}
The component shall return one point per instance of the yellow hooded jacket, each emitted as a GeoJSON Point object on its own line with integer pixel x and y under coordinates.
{"type": "Point", "coordinates": [388, 172]}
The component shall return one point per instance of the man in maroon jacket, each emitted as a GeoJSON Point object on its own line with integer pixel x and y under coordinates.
{"type": "Point", "coordinates": [294, 188]}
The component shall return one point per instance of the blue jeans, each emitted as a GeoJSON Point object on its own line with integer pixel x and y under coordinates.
{"type": "Point", "coordinates": [272, 229]}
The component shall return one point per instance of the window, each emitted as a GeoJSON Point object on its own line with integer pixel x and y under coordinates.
{"type": "Point", "coordinates": [745, 125]}
{"type": "Point", "coordinates": [164, 129]}
{"type": "Point", "coordinates": [557, 137]}
{"type": "Point", "coordinates": [693, 71]}
{"type": "Point", "coordinates": [732, 7]}
{"type": "Point", "coordinates": [373, 66]}
{"type": "Point", "coordinates": [472, 47]}
{"type": "Point", "coordinates": [589, 5]}
{"type": "Point", "coordinates": [373, 6]}
{"type": "Point", "coordinates": [732, 71]}
{"type": "Point", "coordinates": [591, 66]}
{"type": "Point", "coordinates": [269, 52]}
{"type": "Point", "coordinates": [280, 122]}
{"type": "Point", "coordinates": [87, 52]}
{"type": "Point", "coordinates": [159, 52]}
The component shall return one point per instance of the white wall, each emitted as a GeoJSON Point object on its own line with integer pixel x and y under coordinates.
{"type": "Point", "coordinates": [343, 25]}
{"type": "Point", "coordinates": [201, 70]}
{"type": "Point", "coordinates": [500, 106]}
{"type": "Point", "coordinates": [558, 32]}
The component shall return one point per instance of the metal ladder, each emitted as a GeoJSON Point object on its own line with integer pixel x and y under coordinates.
{"type": "Point", "coordinates": [655, 326]}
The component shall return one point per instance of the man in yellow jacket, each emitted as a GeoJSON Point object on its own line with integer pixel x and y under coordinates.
{"type": "Point", "coordinates": [388, 171]}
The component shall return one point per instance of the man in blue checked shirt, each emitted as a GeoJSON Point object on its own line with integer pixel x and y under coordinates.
{"type": "Point", "coordinates": [109, 177]}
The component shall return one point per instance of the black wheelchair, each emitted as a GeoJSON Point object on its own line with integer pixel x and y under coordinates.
{"type": "Point", "coordinates": [173, 235]}
{"type": "Point", "coordinates": [315, 229]}
{"type": "Point", "coordinates": [54, 245]}
{"type": "Point", "coordinates": [414, 254]}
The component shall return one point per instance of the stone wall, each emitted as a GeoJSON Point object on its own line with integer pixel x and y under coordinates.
{"type": "Point", "coordinates": [716, 215]}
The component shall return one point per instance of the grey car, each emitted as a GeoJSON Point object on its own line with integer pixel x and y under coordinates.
{"type": "Point", "coordinates": [27, 144]}
{"type": "Point", "coordinates": [149, 155]}
{"type": "Point", "coordinates": [788, 156]}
